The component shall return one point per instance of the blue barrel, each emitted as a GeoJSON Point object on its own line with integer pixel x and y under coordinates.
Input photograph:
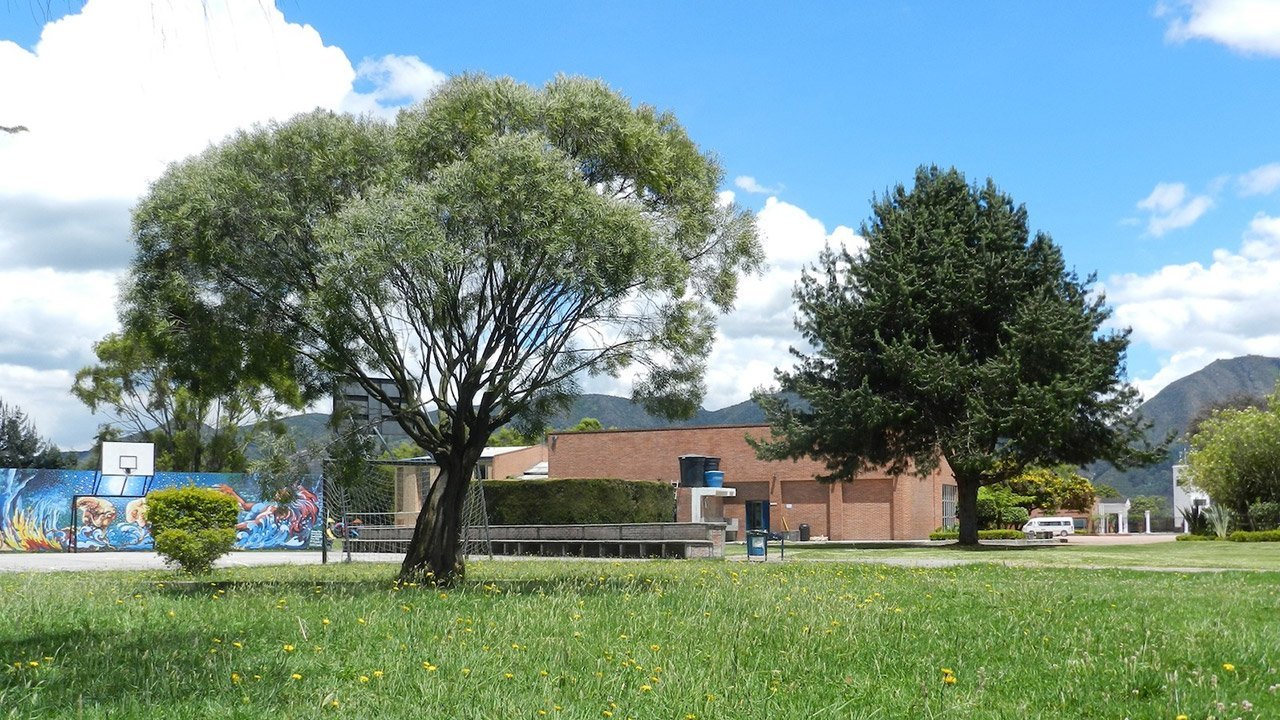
{"type": "Point", "coordinates": [713, 478]}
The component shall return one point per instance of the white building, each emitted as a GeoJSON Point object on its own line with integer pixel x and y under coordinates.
{"type": "Point", "coordinates": [1185, 497]}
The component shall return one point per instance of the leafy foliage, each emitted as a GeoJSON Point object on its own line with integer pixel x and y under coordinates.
{"type": "Point", "coordinates": [193, 429]}
{"type": "Point", "coordinates": [1235, 457]}
{"type": "Point", "coordinates": [956, 334]}
{"type": "Point", "coordinates": [193, 527]}
{"type": "Point", "coordinates": [573, 501]}
{"type": "Point", "coordinates": [483, 253]}
{"type": "Point", "coordinates": [999, 507]}
{"type": "Point", "coordinates": [1264, 515]}
{"type": "Point", "coordinates": [21, 445]}
{"type": "Point", "coordinates": [1053, 489]}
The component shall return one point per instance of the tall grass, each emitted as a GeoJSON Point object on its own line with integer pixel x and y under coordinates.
{"type": "Point", "coordinates": [642, 640]}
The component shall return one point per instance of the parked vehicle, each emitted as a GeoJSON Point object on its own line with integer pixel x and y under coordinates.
{"type": "Point", "coordinates": [1049, 527]}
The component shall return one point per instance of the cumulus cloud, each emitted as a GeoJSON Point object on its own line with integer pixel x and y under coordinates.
{"type": "Point", "coordinates": [1171, 207]}
{"type": "Point", "coordinates": [749, 184]}
{"type": "Point", "coordinates": [1198, 313]}
{"type": "Point", "coordinates": [394, 81]}
{"type": "Point", "coordinates": [1260, 181]}
{"type": "Point", "coordinates": [1251, 27]}
{"type": "Point", "coordinates": [111, 95]}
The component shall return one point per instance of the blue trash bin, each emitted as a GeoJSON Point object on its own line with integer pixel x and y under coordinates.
{"type": "Point", "coordinates": [757, 544]}
{"type": "Point", "coordinates": [713, 478]}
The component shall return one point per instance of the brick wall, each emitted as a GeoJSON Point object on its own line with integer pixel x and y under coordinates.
{"type": "Point", "coordinates": [873, 507]}
{"type": "Point", "coordinates": [515, 462]}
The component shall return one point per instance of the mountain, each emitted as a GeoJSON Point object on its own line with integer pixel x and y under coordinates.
{"type": "Point", "coordinates": [622, 414]}
{"type": "Point", "coordinates": [1173, 409]}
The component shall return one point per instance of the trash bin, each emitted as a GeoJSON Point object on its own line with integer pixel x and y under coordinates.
{"type": "Point", "coordinates": [693, 469]}
{"type": "Point", "coordinates": [757, 546]}
{"type": "Point", "coordinates": [804, 532]}
{"type": "Point", "coordinates": [713, 478]}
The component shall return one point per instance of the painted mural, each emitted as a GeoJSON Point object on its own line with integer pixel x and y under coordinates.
{"type": "Point", "coordinates": [82, 510]}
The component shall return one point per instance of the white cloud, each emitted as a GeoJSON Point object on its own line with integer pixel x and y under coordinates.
{"type": "Point", "coordinates": [1197, 313]}
{"type": "Point", "coordinates": [397, 80]}
{"type": "Point", "coordinates": [1171, 207]}
{"type": "Point", "coordinates": [1260, 181]}
{"type": "Point", "coordinates": [749, 184]}
{"type": "Point", "coordinates": [111, 95]}
{"type": "Point", "coordinates": [1246, 26]}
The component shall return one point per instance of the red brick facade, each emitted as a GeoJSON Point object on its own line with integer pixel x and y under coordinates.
{"type": "Point", "coordinates": [875, 506]}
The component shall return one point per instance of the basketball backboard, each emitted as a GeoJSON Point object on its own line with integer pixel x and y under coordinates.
{"type": "Point", "coordinates": [120, 458]}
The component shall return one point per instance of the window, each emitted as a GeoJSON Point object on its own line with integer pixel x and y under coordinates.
{"type": "Point", "coordinates": [950, 495]}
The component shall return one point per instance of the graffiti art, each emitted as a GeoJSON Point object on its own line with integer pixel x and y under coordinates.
{"type": "Point", "coordinates": [57, 510]}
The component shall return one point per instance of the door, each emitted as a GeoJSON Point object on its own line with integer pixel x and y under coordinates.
{"type": "Point", "coordinates": [757, 514]}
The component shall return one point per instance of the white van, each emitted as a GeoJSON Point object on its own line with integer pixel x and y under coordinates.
{"type": "Point", "coordinates": [1041, 526]}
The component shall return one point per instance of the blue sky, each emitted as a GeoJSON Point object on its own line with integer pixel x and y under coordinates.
{"type": "Point", "coordinates": [1141, 135]}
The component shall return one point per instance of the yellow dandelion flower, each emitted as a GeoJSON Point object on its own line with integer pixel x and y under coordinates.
{"type": "Point", "coordinates": [172, 614]}
{"type": "Point", "coordinates": [507, 675]}
{"type": "Point", "coordinates": [360, 620]}
{"type": "Point", "coordinates": [33, 663]}
{"type": "Point", "coordinates": [364, 678]}
{"type": "Point", "coordinates": [646, 688]}
{"type": "Point", "coordinates": [1228, 667]}
{"type": "Point", "coordinates": [1182, 717]}
{"type": "Point", "coordinates": [324, 621]}
{"type": "Point", "coordinates": [333, 703]}
{"type": "Point", "coordinates": [607, 713]}
{"type": "Point", "coordinates": [949, 679]}
{"type": "Point", "coordinates": [237, 645]}
{"type": "Point", "coordinates": [296, 676]}
{"type": "Point", "coordinates": [466, 671]}
{"type": "Point", "coordinates": [655, 648]}
{"type": "Point", "coordinates": [288, 648]}
{"type": "Point", "coordinates": [235, 678]}
{"type": "Point", "coordinates": [377, 673]}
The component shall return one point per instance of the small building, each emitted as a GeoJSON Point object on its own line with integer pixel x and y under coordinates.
{"type": "Point", "coordinates": [1185, 497]}
{"type": "Point", "coordinates": [779, 496]}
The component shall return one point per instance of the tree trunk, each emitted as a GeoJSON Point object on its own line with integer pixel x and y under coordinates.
{"type": "Point", "coordinates": [434, 555]}
{"type": "Point", "coordinates": [967, 488]}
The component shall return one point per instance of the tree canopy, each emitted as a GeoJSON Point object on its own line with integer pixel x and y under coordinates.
{"type": "Point", "coordinates": [1235, 456]}
{"type": "Point", "coordinates": [483, 253]}
{"type": "Point", "coordinates": [959, 335]}
{"type": "Point", "coordinates": [21, 445]}
{"type": "Point", "coordinates": [193, 430]}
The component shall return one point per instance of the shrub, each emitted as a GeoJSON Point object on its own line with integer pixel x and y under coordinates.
{"type": "Point", "coordinates": [1264, 515]}
{"type": "Point", "coordinates": [1197, 538]}
{"type": "Point", "coordinates": [578, 501]}
{"type": "Point", "coordinates": [192, 526]}
{"type": "Point", "coordinates": [1255, 536]}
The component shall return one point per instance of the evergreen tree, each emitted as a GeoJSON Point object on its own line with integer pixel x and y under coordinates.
{"type": "Point", "coordinates": [21, 445]}
{"type": "Point", "coordinates": [957, 337]}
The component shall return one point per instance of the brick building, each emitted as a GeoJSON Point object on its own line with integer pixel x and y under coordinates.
{"type": "Point", "coordinates": [779, 495]}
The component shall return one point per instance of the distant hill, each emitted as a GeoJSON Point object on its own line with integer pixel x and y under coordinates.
{"type": "Point", "coordinates": [1173, 408]}
{"type": "Point", "coordinates": [621, 413]}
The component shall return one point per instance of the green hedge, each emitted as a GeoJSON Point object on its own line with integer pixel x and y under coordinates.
{"type": "Point", "coordinates": [982, 535]}
{"type": "Point", "coordinates": [574, 502]}
{"type": "Point", "coordinates": [1255, 536]}
{"type": "Point", "coordinates": [1196, 537]}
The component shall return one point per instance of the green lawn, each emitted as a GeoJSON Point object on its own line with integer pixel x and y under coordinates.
{"type": "Point", "coordinates": [1172, 555]}
{"type": "Point", "coordinates": [676, 639]}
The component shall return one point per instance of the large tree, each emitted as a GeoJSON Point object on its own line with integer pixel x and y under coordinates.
{"type": "Point", "coordinates": [955, 334]}
{"type": "Point", "coordinates": [483, 253]}
{"type": "Point", "coordinates": [20, 443]}
{"type": "Point", "coordinates": [1235, 455]}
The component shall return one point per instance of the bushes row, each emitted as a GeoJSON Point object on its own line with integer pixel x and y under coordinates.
{"type": "Point", "coordinates": [1238, 536]}
{"type": "Point", "coordinates": [982, 535]}
{"type": "Point", "coordinates": [574, 501]}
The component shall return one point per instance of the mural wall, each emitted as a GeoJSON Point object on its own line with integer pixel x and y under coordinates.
{"type": "Point", "coordinates": [81, 510]}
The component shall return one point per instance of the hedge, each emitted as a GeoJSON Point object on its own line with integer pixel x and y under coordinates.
{"type": "Point", "coordinates": [1197, 537]}
{"type": "Point", "coordinates": [1255, 536]}
{"type": "Point", "coordinates": [982, 535]}
{"type": "Point", "coordinates": [578, 501]}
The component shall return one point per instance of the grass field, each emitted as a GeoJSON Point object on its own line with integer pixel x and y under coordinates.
{"type": "Point", "coordinates": [1191, 555]}
{"type": "Point", "coordinates": [679, 640]}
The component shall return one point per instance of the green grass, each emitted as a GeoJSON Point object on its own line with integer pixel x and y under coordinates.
{"type": "Point", "coordinates": [1169, 555]}
{"type": "Point", "coordinates": [643, 640]}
